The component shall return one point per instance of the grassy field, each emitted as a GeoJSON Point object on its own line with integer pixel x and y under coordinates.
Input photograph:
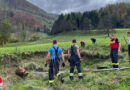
{"type": "Point", "coordinates": [106, 80]}
{"type": "Point", "coordinates": [64, 41]}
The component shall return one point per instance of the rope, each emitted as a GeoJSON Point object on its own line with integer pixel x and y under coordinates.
{"type": "Point", "coordinates": [111, 69]}
{"type": "Point", "coordinates": [95, 70]}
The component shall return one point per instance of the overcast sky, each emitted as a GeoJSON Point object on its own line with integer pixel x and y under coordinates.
{"type": "Point", "coordinates": [66, 6]}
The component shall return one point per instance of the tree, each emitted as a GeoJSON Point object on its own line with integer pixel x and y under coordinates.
{"type": "Point", "coordinates": [59, 25]}
{"type": "Point", "coordinates": [46, 30]}
{"type": "Point", "coordinates": [27, 19]}
{"type": "Point", "coordinates": [94, 17]}
{"type": "Point", "coordinates": [106, 24]}
{"type": "Point", "coordinates": [116, 20]}
{"type": "Point", "coordinates": [78, 19]}
{"type": "Point", "coordinates": [4, 32]}
{"type": "Point", "coordinates": [85, 23]}
{"type": "Point", "coordinates": [107, 18]}
{"type": "Point", "coordinates": [23, 32]}
{"type": "Point", "coordinates": [126, 22]}
{"type": "Point", "coordinates": [71, 22]}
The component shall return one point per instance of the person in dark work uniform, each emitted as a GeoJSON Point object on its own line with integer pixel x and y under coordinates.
{"type": "Point", "coordinates": [115, 48]}
{"type": "Point", "coordinates": [128, 34]}
{"type": "Point", "coordinates": [74, 59]}
{"type": "Point", "coordinates": [54, 53]}
{"type": "Point", "coordinates": [93, 42]}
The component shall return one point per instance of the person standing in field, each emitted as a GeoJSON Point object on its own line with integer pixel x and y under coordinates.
{"type": "Point", "coordinates": [54, 54]}
{"type": "Point", "coordinates": [128, 34]}
{"type": "Point", "coordinates": [74, 59]}
{"type": "Point", "coordinates": [115, 49]}
{"type": "Point", "coordinates": [93, 42]}
{"type": "Point", "coordinates": [82, 43]}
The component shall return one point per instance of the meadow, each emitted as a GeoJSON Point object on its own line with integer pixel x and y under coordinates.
{"type": "Point", "coordinates": [106, 80]}
{"type": "Point", "coordinates": [64, 41]}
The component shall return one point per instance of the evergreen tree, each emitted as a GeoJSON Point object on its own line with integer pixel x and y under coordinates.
{"type": "Point", "coordinates": [4, 32]}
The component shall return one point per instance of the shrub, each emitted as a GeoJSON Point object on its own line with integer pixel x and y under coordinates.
{"type": "Point", "coordinates": [4, 32]}
{"type": "Point", "coordinates": [34, 37]}
{"type": "Point", "coordinates": [13, 39]}
{"type": "Point", "coordinates": [1, 39]}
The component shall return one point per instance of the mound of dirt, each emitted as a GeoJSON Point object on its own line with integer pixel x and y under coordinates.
{"type": "Point", "coordinates": [21, 72]}
{"type": "Point", "coordinates": [86, 54]}
{"type": "Point", "coordinates": [9, 58]}
{"type": "Point", "coordinates": [33, 66]}
{"type": "Point", "coordinates": [31, 54]}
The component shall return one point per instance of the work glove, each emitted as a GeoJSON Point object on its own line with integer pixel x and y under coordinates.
{"type": "Point", "coordinates": [45, 65]}
{"type": "Point", "coordinates": [80, 60]}
{"type": "Point", "coordinates": [63, 64]}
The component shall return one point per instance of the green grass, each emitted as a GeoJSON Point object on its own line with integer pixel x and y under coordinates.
{"type": "Point", "coordinates": [64, 41]}
{"type": "Point", "coordinates": [106, 80]}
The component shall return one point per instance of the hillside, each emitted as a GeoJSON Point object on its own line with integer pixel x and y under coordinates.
{"type": "Point", "coordinates": [23, 12]}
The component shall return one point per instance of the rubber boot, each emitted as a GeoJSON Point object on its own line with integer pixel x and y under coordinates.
{"type": "Point", "coordinates": [115, 66]}
{"type": "Point", "coordinates": [80, 77]}
{"type": "Point", "coordinates": [60, 77]}
{"type": "Point", "coordinates": [71, 78]}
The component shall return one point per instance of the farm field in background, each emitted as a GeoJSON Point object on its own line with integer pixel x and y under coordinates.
{"type": "Point", "coordinates": [64, 41]}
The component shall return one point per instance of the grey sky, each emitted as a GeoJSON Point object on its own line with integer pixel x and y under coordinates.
{"type": "Point", "coordinates": [66, 6]}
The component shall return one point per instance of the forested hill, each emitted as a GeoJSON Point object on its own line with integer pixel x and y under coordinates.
{"type": "Point", "coordinates": [21, 12]}
{"type": "Point", "coordinates": [111, 16]}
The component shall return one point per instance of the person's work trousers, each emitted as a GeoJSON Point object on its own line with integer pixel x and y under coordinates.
{"type": "Point", "coordinates": [114, 57]}
{"type": "Point", "coordinates": [53, 70]}
{"type": "Point", "coordinates": [129, 50]}
{"type": "Point", "coordinates": [75, 61]}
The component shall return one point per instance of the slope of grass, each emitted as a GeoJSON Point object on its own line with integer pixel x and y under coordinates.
{"type": "Point", "coordinates": [65, 41]}
{"type": "Point", "coordinates": [106, 80]}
